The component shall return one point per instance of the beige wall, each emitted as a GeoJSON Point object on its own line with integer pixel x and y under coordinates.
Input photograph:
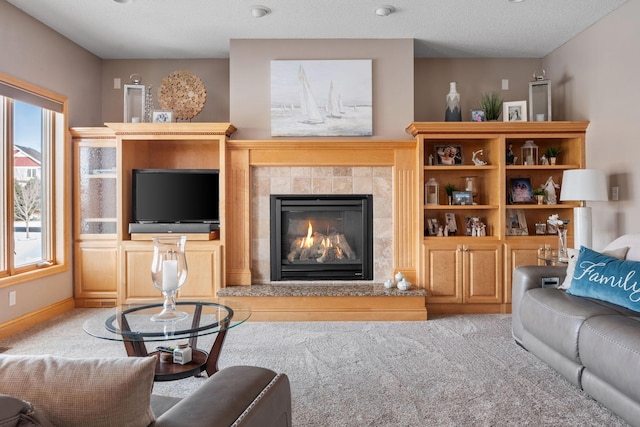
{"type": "Point", "coordinates": [34, 53]}
{"type": "Point", "coordinates": [214, 74]}
{"type": "Point", "coordinates": [392, 80]}
{"type": "Point", "coordinates": [596, 79]}
{"type": "Point", "coordinates": [473, 78]}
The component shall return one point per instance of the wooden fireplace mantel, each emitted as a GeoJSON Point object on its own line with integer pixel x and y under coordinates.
{"type": "Point", "coordinates": [245, 154]}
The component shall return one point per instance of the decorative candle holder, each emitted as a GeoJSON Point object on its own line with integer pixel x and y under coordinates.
{"type": "Point", "coordinates": [169, 272]}
{"type": "Point", "coordinates": [529, 153]}
{"type": "Point", "coordinates": [431, 192]}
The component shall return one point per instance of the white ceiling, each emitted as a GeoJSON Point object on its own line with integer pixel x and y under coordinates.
{"type": "Point", "coordinates": [202, 28]}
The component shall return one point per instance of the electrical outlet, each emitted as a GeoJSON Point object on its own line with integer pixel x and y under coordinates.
{"type": "Point", "coordinates": [12, 298]}
{"type": "Point", "coordinates": [615, 193]}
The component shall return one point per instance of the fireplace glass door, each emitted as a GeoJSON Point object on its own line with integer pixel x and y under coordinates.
{"type": "Point", "coordinates": [321, 237]}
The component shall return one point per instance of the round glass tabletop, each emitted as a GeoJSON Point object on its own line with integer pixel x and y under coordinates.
{"type": "Point", "coordinates": [132, 322]}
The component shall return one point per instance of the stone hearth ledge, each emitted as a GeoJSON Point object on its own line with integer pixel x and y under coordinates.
{"type": "Point", "coordinates": [317, 290]}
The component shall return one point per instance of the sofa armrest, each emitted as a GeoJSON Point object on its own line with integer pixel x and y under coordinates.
{"type": "Point", "coordinates": [246, 395]}
{"type": "Point", "coordinates": [525, 278]}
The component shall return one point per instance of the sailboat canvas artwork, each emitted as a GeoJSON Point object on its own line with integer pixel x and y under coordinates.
{"type": "Point", "coordinates": [321, 98]}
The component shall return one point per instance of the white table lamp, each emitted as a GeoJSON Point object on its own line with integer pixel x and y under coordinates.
{"type": "Point", "coordinates": [583, 185]}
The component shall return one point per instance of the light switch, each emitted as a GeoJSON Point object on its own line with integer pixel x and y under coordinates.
{"type": "Point", "coordinates": [116, 83]}
{"type": "Point", "coordinates": [505, 84]}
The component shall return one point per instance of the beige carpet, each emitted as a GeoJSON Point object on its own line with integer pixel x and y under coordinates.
{"type": "Point", "coordinates": [462, 370]}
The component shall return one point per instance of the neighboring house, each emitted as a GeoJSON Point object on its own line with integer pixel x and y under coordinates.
{"type": "Point", "coordinates": [27, 163]}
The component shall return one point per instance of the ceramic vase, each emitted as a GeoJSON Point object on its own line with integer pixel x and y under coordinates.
{"type": "Point", "coordinates": [453, 112]}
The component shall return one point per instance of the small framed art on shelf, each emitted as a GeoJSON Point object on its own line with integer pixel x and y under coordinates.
{"type": "Point", "coordinates": [462, 198]}
{"type": "Point", "coordinates": [520, 190]}
{"type": "Point", "coordinates": [514, 111]}
{"type": "Point", "coordinates": [516, 223]}
{"type": "Point", "coordinates": [162, 116]}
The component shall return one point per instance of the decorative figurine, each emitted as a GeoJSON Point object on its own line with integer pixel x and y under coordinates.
{"type": "Point", "coordinates": [511, 159]}
{"type": "Point", "coordinates": [476, 160]}
{"type": "Point", "coordinates": [550, 187]}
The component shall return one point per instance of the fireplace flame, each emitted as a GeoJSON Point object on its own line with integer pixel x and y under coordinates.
{"type": "Point", "coordinates": [307, 242]}
{"type": "Point", "coordinates": [329, 247]}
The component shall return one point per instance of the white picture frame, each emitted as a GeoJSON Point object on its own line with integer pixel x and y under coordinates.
{"type": "Point", "coordinates": [162, 116]}
{"type": "Point", "coordinates": [514, 111]}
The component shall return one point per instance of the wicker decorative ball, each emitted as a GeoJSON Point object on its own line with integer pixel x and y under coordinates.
{"type": "Point", "coordinates": [183, 93]}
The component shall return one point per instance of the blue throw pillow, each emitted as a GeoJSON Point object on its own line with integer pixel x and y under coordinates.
{"type": "Point", "coordinates": [606, 278]}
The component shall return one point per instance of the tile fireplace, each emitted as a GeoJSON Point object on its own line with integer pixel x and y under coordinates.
{"type": "Point", "coordinates": [321, 237]}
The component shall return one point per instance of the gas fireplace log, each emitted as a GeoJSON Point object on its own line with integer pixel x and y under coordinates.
{"type": "Point", "coordinates": [341, 242]}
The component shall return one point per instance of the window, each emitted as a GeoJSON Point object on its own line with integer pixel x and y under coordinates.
{"type": "Point", "coordinates": [34, 152]}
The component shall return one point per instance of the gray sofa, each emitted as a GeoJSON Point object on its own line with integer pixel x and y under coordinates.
{"type": "Point", "coordinates": [109, 392]}
{"type": "Point", "coordinates": [592, 343]}
{"type": "Point", "coordinates": [246, 396]}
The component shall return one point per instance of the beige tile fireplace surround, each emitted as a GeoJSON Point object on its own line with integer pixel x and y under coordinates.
{"type": "Point", "coordinates": [322, 180]}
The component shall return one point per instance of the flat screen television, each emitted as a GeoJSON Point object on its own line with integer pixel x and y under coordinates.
{"type": "Point", "coordinates": [176, 196]}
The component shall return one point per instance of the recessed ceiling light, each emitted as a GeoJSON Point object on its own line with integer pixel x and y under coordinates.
{"type": "Point", "coordinates": [515, 1]}
{"type": "Point", "coordinates": [385, 10]}
{"type": "Point", "coordinates": [123, 1]}
{"type": "Point", "coordinates": [260, 11]}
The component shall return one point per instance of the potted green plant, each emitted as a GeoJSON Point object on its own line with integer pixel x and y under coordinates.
{"type": "Point", "coordinates": [552, 153]}
{"type": "Point", "coordinates": [449, 189]}
{"type": "Point", "coordinates": [491, 103]}
{"type": "Point", "coordinates": [539, 194]}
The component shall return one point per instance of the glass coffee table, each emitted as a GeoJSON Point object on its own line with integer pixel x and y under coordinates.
{"type": "Point", "coordinates": [552, 258]}
{"type": "Point", "coordinates": [132, 325]}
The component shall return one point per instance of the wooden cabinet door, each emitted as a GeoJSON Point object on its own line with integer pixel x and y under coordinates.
{"type": "Point", "coordinates": [443, 273]}
{"type": "Point", "coordinates": [522, 253]}
{"type": "Point", "coordinates": [95, 273]}
{"type": "Point", "coordinates": [482, 273]}
{"type": "Point", "coordinates": [204, 261]}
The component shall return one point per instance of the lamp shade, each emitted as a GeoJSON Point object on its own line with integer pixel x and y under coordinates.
{"type": "Point", "coordinates": [583, 185]}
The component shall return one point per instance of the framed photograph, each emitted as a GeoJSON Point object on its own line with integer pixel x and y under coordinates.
{"type": "Point", "coordinates": [514, 111]}
{"type": "Point", "coordinates": [520, 190]}
{"type": "Point", "coordinates": [448, 155]}
{"type": "Point", "coordinates": [450, 223]}
{"type": "Point", "coordinates": [432, 225]}
{"type": "Point", "coordinates": [516, 223]}
{"type": "Point", "coordinates": [477, 116]}
{"type": "Point", "coordinates": [162, 116]}
{"type": "Point", "coordinates": [462, 198]}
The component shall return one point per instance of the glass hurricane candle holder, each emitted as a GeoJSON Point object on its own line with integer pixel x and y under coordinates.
{"type": "Point", "coordinates": [169, 272]}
